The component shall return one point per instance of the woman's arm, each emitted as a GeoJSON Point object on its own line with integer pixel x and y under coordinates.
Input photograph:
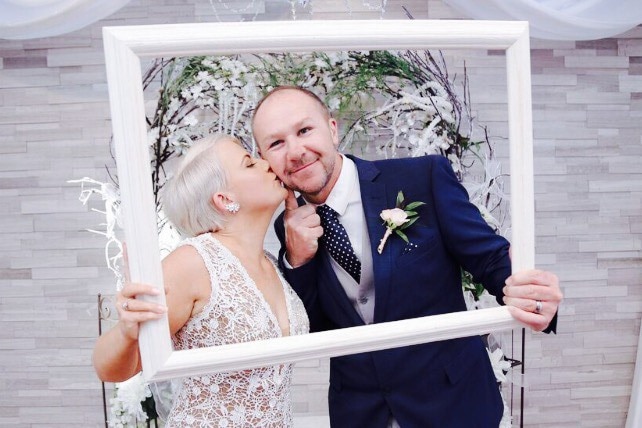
{"type": "Point", "coordinates": [116, 357]}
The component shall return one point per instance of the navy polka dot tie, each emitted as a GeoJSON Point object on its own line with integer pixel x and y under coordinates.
{"type": "Point", "coordinates": [336, 242]}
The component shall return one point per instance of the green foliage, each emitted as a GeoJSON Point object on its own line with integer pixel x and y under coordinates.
{"type": "Point", "coordinates": [469, 284]}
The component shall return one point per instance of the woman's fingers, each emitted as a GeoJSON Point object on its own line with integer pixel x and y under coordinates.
{"type": "Point", "coordinates": [126, 297]}
{"type": "Point", "coordinates": [132, 289]}
{"type": "Point", "coordinates": [133, 311]}
{"type": "Point", "coordinates": [135, 306]}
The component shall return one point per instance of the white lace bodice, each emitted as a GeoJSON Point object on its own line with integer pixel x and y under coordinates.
{"type": "Point", "coordinates": [236, 312]}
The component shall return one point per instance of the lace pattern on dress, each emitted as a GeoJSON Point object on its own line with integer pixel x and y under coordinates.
{"type": "Point", "coordinates": [236, 312]}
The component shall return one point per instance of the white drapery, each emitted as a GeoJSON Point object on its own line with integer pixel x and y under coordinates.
{"type": "Point", "coordinates": [559, 19]}
{"type": "Point", "coordinates": [30, 19]}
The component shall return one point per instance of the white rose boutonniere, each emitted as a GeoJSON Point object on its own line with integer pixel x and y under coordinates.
{"type": "Point", "coordinates": [398, 219]}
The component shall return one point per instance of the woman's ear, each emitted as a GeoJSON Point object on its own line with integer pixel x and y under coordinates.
{"type": "Point", "coordinates": [225, 202]}
{"type": "Point", "coordinates": [219, 200]}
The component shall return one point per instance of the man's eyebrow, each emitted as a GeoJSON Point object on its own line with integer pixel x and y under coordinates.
{"type": "Point", "coordinates": [273, 135]}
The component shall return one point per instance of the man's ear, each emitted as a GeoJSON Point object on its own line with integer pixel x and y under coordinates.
{"type": "Point", "coordinates": [334, 131]}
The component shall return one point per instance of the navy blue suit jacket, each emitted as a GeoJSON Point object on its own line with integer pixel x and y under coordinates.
{"type": "Point", "coordinates": [442, 384]}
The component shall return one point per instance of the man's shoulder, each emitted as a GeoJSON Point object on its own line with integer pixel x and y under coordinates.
{"type": "Point", "coordinates": [397, 165]}
{"type": "Point", "coordinates": [395, 162]}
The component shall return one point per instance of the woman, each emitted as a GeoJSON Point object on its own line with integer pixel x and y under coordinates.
{"type": "Point", "coordinates": [221, 287]}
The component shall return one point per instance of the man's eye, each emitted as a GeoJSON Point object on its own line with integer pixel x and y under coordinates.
{"type": "Point", "coordinates": [305, 130]}
{"type": "Point", "coordinates": [275, 143]}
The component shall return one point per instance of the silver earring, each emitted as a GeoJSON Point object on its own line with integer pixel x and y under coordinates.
{"type": "Point", "coordinates": [233, 207]}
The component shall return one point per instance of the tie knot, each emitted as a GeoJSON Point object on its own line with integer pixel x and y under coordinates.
{"type": "Point", "coordinates": [327, 214]}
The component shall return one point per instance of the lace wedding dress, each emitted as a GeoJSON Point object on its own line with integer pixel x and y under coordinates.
{"type": "Point", "coordinates": [236, 312]}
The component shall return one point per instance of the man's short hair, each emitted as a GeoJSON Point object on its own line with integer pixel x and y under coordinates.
{"type": "Point", "coordinates": [305, 91]}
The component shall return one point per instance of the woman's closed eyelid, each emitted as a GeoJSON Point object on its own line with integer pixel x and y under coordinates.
{"type": "Point", "coordinates": [249, 161]}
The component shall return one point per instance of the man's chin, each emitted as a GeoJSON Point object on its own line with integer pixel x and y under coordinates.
{"type": "Point", "coordinates": [301, 189]}
{"type": "Point", "coordinates": [312, 195]}
{"type": "Point", "coordinates": [309, 189]}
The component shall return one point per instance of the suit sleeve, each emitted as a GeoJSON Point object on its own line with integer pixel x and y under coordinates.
{"type": "Point", "coordinates": [477, 248]}
{"type": "Point", "coordinates": [304, 281]}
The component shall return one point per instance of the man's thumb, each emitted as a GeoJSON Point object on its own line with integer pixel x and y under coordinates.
{"type": "Point", "coordinates": [290, 201]}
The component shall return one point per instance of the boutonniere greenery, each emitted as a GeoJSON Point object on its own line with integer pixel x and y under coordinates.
{"type": "Point", "coordinates": [399, 218]}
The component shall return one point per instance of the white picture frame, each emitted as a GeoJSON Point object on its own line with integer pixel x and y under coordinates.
{"type": "Point", "coordinates": [125, 46]}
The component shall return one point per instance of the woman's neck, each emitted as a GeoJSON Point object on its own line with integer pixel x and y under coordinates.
{"type": "Point", "coordinates": [244, 237]}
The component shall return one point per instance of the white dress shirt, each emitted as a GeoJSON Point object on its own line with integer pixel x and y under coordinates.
{"type": "Point", "coordinates": [345, 199]}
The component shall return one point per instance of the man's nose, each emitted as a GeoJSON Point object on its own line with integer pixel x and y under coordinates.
{"type": "Point", "coordinates": [295, 148]}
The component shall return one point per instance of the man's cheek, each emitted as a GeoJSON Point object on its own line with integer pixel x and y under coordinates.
{"type": "Point", "coordinates": [278, 168]}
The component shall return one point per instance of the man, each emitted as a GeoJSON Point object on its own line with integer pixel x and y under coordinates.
{"type": "Point", "coordinates": [441, 384]}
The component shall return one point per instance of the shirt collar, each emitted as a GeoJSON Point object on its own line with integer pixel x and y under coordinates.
{"type": "Point", "coordinates": [345, 190]}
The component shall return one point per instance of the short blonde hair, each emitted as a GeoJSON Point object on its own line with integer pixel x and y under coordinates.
{"type": "Point", "coordinates": [186, 197]}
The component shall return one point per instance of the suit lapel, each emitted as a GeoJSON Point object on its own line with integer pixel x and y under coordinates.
{"type": "Point", "coordinates": [375, 197]}
{"type": "Point", "coordinates": [337, 291]}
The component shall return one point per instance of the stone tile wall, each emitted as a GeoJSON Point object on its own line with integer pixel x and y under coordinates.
{"type": "Point", "coordinates": [54, 127]}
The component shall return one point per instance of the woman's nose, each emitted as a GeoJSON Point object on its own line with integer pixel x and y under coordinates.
{"type": "Point", "coordinates": [264, 164]}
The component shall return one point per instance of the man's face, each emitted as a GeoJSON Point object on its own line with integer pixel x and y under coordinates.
{"type": "Point", "coordinates": [299, 140]}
